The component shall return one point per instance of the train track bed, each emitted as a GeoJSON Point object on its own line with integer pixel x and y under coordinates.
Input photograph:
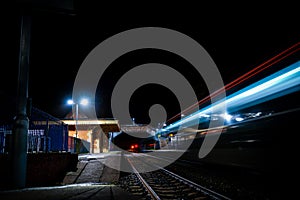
{"type": "Point", "coordinates": [163, 184]}
{"type": "Point", "coordinates": [234, 182]}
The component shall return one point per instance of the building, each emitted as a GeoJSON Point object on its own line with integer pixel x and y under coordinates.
{"type": "Point", "coordinates": [93, 133]}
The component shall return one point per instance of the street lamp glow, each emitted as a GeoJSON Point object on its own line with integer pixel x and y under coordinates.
{"type": "Point", "coordinates": [84, 102]}
{"type": "Point", "coordinates": [70, 102]}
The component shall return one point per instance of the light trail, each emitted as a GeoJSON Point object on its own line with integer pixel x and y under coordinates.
{"type": "Point", "coordinates": [276, 85]}
{"type": "Point", "coordinates": [289, 51]}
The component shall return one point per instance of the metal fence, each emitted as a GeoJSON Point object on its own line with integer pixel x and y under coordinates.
{"type": "Point", "coordinates": [46, 134]}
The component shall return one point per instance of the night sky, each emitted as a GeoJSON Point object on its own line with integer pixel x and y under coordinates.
{"type": "Point", "coordinates": [59, 44]}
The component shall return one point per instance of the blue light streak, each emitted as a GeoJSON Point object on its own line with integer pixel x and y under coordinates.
{"type": "Point", "coordinates": [276, 85]}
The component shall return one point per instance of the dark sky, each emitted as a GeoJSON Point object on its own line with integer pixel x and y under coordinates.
{"type": "Point", "coordinates": [60, 42]}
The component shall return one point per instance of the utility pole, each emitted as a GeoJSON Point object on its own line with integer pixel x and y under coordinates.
{"type": "Point", "coordinates": [76, 127]}
{"type": "Point", "coordinates": [18, 152]}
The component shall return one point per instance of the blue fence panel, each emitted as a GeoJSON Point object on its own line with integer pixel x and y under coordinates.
{"type": "Point", "coordinates": [2, 142]}
{"type": "Point", "coordinates": [59, 137]}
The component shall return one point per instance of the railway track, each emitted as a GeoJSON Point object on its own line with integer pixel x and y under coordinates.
{"type": "Point", "coordinates": [164, 184]}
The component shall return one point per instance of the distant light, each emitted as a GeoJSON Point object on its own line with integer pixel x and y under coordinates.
{"type": "Point", "coordinates": [204, 115]}
{"type": "Point", "coordinates": [257, 114]}
{"type": "Point", "coordinates": [165, 124]}
{"type": "Point", "coordinates": [84, 102]}
{"type": "Point", "coordinates": [182, 115]}
{"type": "Point", "coordinates": [227, 117]}
{"type": "Point", "coordinates": [239, 119]}
{"type": "Point", "coordinates": [70, 102]}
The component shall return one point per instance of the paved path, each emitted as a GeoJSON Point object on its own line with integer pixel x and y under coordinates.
{"type": "Point", "coordinates": [91, 173]}
{"type": "Point", "coordinates": [92, 180]}
{"type": "Point", "coordinates": [69, 192]}
{"type": "Point", "coordinates": [93, 168]}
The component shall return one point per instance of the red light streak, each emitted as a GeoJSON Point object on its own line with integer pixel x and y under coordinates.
{"type": "Point", "coordinates": [289, 51]}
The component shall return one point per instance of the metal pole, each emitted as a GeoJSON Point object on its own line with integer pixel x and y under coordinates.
{"type": "Point", "coordinates": [76, 126]}
{"type": "Point", "coordinates": [101, 141]}
{"type": "Point", "coordinates": [47, 137]}
{"type": "Point", "coordinates": [20, 128]}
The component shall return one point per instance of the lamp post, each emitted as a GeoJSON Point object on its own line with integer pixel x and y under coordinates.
{"type": "Point", "coordinates": [82, 102]}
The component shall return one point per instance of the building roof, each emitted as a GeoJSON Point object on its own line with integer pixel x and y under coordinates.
{"type": "Point", "coordinates": [107, 125]}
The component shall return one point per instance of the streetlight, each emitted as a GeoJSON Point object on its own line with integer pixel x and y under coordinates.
{"type": "Point", "coordinates": [83, 102]}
